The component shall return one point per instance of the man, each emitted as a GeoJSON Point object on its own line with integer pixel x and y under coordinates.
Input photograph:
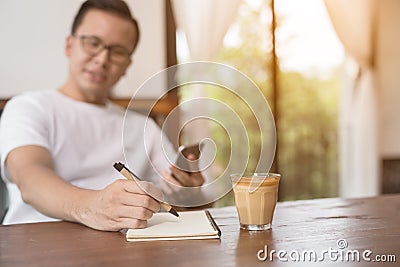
{"type": "Point", "coordinates": [57, 147]}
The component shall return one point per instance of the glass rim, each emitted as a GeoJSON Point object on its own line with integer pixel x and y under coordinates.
{"type": "Point", "coordinates": [263, 175]}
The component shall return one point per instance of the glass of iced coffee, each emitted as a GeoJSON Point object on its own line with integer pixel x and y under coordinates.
{"type": "Point", "coordinates": [256, 195]}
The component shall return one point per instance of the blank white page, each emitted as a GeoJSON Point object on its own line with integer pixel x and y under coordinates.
{"type": "Point", "coordinates": [165, 226]}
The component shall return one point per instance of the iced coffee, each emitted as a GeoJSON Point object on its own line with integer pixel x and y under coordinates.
{"type": "Point", "coordinates": [255, 197]}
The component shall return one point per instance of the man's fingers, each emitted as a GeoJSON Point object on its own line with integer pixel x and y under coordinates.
{"type": "Point", "coordinates": [143, 187]}
{"type": "Point", "coordinates": [181, 176]}
{"type": "Point", "coordinates": [129, 223]}
{"type": "Point", "coordinates": [138, 200]}
{"type": "Point", "coordinates": [170, 179]}
{"type": "Point", "coordinates": [132, 212]}
{"type": "Point", "coordinates": [134, 194]}
{"type": "Point", "coordinates": [193, 163]}
{"type": "Point", "coordinates": [186, 179]}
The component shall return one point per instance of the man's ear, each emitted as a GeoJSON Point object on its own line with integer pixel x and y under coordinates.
{"type": "Point", "coordinates": [68, 45]}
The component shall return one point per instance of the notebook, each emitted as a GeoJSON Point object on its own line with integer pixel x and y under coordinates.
{"type": "Point", "coordinates": [164, 226]}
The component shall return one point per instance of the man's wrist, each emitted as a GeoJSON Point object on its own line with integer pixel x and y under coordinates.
{"type": "Point", "coordinates": [80, 209]}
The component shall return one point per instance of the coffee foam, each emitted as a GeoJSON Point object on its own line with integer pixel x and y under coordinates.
{"type": "Point", "coordinates": [260, 181]}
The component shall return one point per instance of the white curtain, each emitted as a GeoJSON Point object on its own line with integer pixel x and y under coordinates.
{"type": "Point", "coordinates": [204, 23]}
{"type": "Point", "coordinates": [358, 147]}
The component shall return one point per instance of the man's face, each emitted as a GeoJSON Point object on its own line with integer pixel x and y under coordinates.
{"type": "Point", "coordinates": [91, 77]}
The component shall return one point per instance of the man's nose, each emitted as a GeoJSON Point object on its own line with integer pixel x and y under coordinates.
{"type": "Point", "coordinates": [103, 57]}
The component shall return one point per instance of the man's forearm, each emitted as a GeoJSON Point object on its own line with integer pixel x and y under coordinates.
{"type": "Point", "coordinates": [121, 204]}
{"type": "Point", "coordinates": [44, 190]}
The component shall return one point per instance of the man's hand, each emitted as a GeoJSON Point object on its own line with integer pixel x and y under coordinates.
{"type": "Point", "coordinates": [122, 204]}
{"type": "Point", "coordinates": [184, 179]}
{"type": "Point", "coordinates": [175, 181]}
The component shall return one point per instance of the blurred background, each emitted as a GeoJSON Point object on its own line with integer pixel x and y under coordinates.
{"type": "Point", "coordinates": [296, 59]}
{"type": "Point", "coordinates": [328, 69]}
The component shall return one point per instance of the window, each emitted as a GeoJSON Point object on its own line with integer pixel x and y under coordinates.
{"type": "Point", "coordinates": [308, 59]}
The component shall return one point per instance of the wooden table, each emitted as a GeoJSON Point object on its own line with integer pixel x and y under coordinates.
{"type": "Point", "coordinates": [364, 224]}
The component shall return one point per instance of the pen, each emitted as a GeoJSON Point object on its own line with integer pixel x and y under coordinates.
{"type": "Point", "coordinates": [131, 176]}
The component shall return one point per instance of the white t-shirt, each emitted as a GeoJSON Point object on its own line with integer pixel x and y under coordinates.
{"type": "Point", "coordinates": [85, 140]}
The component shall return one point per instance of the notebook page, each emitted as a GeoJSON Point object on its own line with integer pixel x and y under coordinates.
{"type": "Point", "coordinates": [189, 223]}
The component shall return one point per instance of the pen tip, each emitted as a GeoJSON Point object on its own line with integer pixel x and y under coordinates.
{"type": "Point", "coordinates": [174, 212]}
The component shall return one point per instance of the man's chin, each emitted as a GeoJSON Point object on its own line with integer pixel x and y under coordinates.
{"type": "Point", "coordinates": [95, 94]}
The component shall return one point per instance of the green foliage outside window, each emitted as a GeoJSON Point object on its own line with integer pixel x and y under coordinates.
{"type": "Point", "coordinates": [307, 132]}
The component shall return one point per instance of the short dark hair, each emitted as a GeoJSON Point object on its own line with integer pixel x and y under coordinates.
{"type": "Point", "coordinates": [117, 7]}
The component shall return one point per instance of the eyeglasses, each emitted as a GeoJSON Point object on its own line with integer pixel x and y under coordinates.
{"type": "Point", "coordinates": [93, 45]}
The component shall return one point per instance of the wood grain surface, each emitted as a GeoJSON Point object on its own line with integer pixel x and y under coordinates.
{"type": "Point", "coordinates": [364, 224]}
